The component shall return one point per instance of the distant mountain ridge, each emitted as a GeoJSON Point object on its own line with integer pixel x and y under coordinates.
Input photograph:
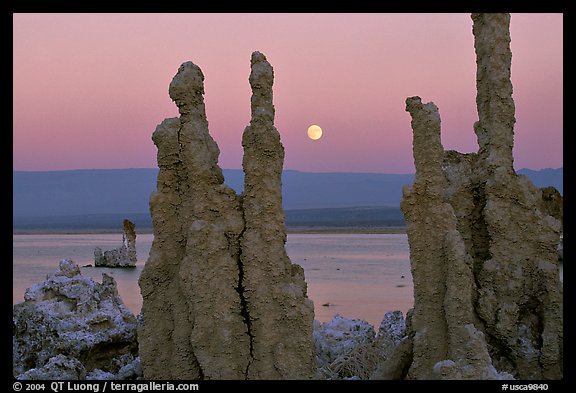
{"type": "Point", "coordinates": [106, 191]}
{"type": "Point", "coordinates": [116, 192]}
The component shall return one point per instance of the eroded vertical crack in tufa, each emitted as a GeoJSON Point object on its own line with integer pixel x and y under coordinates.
{"type": "Point", "coordinates": [244, 302]}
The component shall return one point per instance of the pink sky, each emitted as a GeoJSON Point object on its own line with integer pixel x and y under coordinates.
{"type": "Point", "coordinates": [89, 89]}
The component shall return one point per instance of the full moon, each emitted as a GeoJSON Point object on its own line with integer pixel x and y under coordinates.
{"type": "Point", "coordinates": [314, 132]}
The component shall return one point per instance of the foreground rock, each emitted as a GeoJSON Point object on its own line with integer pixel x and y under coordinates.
{"type": "Point", "coordinates": [280, 314]}
{"type": "Point", "coordinates": [221, 299]}
{"type": "Point", "coordinates": [71, 327]}
{"type": "Point", "coordinates": [350, 348]}
{"type": "Point", "coordinates": [123, 256]}
{"type": "Point", "coordinates": [487, 297]}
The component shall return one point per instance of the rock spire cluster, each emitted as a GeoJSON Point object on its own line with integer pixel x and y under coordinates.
{"type": "Point", "coordinates": [487, 291]}
{"type": "Point", "coordinates": [221, 298]}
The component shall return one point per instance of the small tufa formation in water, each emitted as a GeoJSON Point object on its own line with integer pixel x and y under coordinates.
{"type": "Point", "coordinates": [123, 256]}
{"type": "Point", "coordinates": [221, 298]}
{"type": "Point", "coordinates": [71, 327]}
{"type": "Point", "coordinates": [487, 293]}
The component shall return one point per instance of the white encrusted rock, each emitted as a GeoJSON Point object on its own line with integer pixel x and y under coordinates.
{"type": "Point", "coordinates": [345, 348]}
{"type": "Point", "coordinates": [392, 330]}
{"type": "Point", "coordinates": [59, 367]}
{"type": "Point", "coordinates": [67, 319]}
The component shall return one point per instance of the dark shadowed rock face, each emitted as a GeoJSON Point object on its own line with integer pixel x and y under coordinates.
{"type": "Point", "coordinates": [71, 327]}
{"type": "Point", "coordinates": [487, 293]}
{"type": "Point", "coordinates": [553, 203]}
{"type": "Point", "coordinates": [221, 299]}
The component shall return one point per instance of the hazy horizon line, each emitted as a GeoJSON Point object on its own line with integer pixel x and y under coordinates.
{"type": "Point", "coordinates": [240, 169]}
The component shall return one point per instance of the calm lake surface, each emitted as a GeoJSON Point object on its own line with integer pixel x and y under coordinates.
{"type": "Point", "coordinates": [355, 275]}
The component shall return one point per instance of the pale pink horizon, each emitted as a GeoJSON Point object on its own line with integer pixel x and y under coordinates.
{"type": "Point", "coordinates": [89, 89]}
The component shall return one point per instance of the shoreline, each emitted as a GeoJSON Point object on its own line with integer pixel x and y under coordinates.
{"type": "Point", "coordinates": [290, 230]}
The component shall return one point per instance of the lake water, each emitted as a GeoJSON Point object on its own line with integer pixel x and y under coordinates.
{"type": "Point", "coordinates": [355, 275]}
